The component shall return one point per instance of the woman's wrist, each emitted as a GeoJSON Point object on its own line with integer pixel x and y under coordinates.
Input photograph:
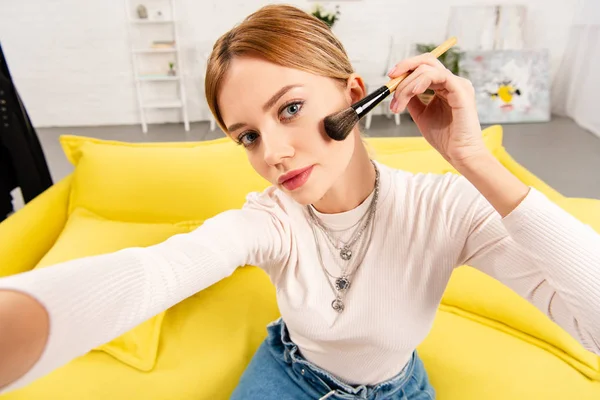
{"type": "Point", "coordinates": [498, 185]}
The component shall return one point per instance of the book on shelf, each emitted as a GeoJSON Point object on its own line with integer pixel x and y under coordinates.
{"type": "Point", "coordinates": [163, 44]}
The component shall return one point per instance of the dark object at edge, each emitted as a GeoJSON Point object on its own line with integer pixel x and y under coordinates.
{"type": "Point", "coordinates": [22, 160]}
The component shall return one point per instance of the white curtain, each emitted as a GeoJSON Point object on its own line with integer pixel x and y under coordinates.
{"type": "Point", "coordinates": [576, 86]}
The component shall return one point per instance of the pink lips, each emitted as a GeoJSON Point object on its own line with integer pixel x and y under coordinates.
{"type": "Point", "coordinates": [294, 179]}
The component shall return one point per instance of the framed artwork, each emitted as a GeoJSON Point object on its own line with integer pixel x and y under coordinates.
{"type": "Point", "coordinates": [510, 85]}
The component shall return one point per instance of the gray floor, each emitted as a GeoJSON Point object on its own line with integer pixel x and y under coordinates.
{"type": "Point", "coordinates": [560, 152]}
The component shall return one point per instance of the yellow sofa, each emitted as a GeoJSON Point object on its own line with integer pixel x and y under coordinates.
{"type": "Point", "coordinates": [486, 343]}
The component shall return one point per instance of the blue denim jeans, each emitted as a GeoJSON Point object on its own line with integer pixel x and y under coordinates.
{"type": "Point", "coordinates": [279, 372]}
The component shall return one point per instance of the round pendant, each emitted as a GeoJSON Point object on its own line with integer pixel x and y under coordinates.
{"type": "Point", "coordinates": [345, 253]}
{"type": "Point", "coordinates": [342, 284]}
{"type": "Point", "coordinates": [338, 305]}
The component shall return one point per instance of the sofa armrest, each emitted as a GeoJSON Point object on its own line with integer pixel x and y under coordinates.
{"type": "Point", "coordinates": [27, 235]}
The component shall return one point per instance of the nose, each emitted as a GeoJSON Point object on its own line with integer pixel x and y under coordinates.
{"type": "Point", "coordinates": [276, 148]}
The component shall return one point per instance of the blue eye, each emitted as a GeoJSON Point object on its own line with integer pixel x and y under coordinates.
{"type": "Point", "coordinates": [248, 138]}
{"type": "Point", "coordinates": [291, 110]}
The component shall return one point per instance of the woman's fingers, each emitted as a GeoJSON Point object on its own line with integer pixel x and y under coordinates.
{"type": "Point", "coordinates": [422, 78]}
{"type": "Point", "coordinates": [427, 72]}
{"type": "Point", "coordinates": [410, 64]}
{"type": "Point", "coordinates": [401, 96]}
{"type": "Point", "coordinates": [425, 76]}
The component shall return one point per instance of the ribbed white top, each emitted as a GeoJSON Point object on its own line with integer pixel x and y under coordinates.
{"type": "Point", "coordinates": [425, 226]}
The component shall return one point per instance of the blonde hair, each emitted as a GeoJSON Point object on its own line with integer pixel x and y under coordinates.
{"type": "Point", "coordinates": [283, 35]}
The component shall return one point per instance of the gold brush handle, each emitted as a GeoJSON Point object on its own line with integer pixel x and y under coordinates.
{"type": "Point", "coordinates": [438, 51]}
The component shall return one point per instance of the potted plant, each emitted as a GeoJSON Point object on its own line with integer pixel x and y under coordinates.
{"type": "Point", "coordinates": [450, 59]}
{"type": "Point", "coordinates": [328, 18]}
{"type": "Point", "coordinates": [171, 71]}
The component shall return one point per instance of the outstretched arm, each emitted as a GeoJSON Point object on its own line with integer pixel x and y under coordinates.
{"type": "Point", "coordinates": [52, 315]}
{"type": "Point", "coordinates": [538, 250]}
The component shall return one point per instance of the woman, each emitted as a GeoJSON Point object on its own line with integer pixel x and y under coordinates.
{"type": "Point", "coordinates": [360, 253]}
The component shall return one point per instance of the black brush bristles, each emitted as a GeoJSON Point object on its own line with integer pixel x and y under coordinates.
{"type": "Point", "coordinates": [339, 125]}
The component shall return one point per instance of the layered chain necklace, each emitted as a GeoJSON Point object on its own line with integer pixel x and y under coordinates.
{"type": "Point", "coordinates": [350, 256]}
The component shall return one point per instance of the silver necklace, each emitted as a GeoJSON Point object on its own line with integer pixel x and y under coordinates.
{"type": "Point", "coordinates": [343, 282]}
{"type": "Point", "coordinates": [345, 248]}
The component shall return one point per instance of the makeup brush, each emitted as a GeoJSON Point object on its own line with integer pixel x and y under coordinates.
{"type": "Point", "coordinates": [340, 124]}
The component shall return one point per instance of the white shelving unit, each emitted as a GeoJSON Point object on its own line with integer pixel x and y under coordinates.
{"type": "Point", "coordinates": [141, 78]}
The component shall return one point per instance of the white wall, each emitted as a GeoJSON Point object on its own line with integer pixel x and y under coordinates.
{"type": "Point", "coordinates": [71, 63]}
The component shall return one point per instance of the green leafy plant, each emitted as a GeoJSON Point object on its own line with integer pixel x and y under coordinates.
{"type": "Point", "coordinates": [171, 70]}
{"type": "Point", "coordinates": [328, 17]}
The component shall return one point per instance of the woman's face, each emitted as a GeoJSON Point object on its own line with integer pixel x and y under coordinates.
{"type": "Point", "coordinates": [277, 114]}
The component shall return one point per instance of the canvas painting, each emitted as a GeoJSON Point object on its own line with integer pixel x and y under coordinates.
{"type": "Point", "coordinates": [510, 85]}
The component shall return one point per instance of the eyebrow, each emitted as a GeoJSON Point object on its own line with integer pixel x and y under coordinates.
{"type": "Point", "coordinates": [267, 105]}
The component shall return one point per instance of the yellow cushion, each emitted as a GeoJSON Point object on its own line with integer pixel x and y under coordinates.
{"type": "Point", "coordinates": [159, 182]}
{"type": "Point", "coordinates": [87, 234]}
{"type": "Point", "coordinates": [468, 360]}
{"type": "Point", "coordinates": [478, 297]}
